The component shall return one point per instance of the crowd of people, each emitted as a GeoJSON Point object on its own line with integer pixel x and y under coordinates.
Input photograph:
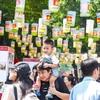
{"type": "Point", "coordinates": [44, 82]}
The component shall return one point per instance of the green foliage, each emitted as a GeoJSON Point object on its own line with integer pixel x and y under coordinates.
{"type": "Point", "coordinates": [64, 6]}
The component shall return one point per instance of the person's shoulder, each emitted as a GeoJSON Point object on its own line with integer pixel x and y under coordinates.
{"type": "Point", "coordinates": [30, 96]}
{"type": "Point", "coordinates": [59, 80]}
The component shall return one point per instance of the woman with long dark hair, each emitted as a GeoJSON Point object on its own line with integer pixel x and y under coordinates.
{"type": "Point", "coordinates": [23, 86]}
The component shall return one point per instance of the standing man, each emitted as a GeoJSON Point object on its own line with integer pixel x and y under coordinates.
{"type": "Point", "coordinates": [88, 89]}
{"type": "Point", "coordinates": [60, 91]}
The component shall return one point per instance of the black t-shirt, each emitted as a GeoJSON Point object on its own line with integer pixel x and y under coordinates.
{"type": "Point", "coordinates": [59, 85]}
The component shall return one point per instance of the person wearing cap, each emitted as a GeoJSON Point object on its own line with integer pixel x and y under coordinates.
{"type": "Point", "coordinates": [21, 73]}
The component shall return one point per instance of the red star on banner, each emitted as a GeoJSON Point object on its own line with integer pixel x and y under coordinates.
{"type": "Point", "coordinates": [88, 6]}
{"type": "Point", "coordinates": [98, 20]}
{"type": "Point", "coordinates": [7, 25]}
{"type": "Point", "coordinates": [55, 2]}
{"type": "Point", "coordinates": [47, 17]}
{"type": "Point", "coordinates": [94, 33]}
{"type": "Point", "coordinates": [34, 28]}
{"type": "Point", "coordinates": [69, 18]}
{"type": "Point", "coordinates": [77, 36]}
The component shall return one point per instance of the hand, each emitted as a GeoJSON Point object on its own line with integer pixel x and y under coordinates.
{"type": "Point", "coordinates": [46, 65]}
{"type": "Point", "coordinates": [36, 87]}
{"type": "Point", "coordinates": [52, 90]}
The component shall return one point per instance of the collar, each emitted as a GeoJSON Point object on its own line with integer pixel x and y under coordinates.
{"type": "Point", "coordinates": [89, 79]}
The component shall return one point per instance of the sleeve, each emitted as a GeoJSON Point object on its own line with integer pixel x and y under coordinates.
{"type": "Point", "coordinates": [55, 60]}
{"type": "Point", "coordinates": [8, 94]}
{"type": "Point", "coordinates": [63, 87]}
{"type": "Point", "coordinates": [71, 95]}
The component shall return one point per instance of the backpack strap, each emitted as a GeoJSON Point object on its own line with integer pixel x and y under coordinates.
{"type": "Point", "coordinates": [15, 93]}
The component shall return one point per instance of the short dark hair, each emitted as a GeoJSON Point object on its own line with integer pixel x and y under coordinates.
{"type": "Point", "coordinates": [49, 41]}
{"type": "Point", "coordinates": [40, 66]}
{"type": "Point", "coordinates": [88, 66]}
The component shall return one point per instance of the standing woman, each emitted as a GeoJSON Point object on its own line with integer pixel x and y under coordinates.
{"type": "Point", "coordinates": [24, 85]}
{"type": "Point", "coordinates": [69, 81]}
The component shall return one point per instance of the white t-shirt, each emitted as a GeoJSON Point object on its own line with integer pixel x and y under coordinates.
{"type": "Point", "coordinates": [52, 57]}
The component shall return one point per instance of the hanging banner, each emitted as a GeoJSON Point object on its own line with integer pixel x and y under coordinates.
{"type": "Point", "coordinates": [25, 29]}
{"type": "Point", "coordinates": [19, 43]}
{"type": "Point", "coordinates": [8, 26]}
{"type": "Point", "coordinates": [20, 5]}
{"type": "Point", "coordinates": [26, 53]}
{"type": "Point", "coordinates": [13, 44]}
{"type": "Point", "coordinates": [76, 35]}
{"type": "Point", "coordinates": [53, 5]}
{"type": "Point", "coordinates": [55, 32]}
{"type": "Point", "coordinates": [15, 35]}
{"type": "Point", "coordinates": [98, 20]}
{"type": "Point", "coordinates": [31, 46]}
{"type": "Point", "coordinates": [45, 16]}
{"type": "Point", "coordinates": [23, 39]}
{"type": "Point", "coordinates": [78, 50]}
{"type": "Point", "coordinates": [29, 38]}
{"type": "Point", "coordinates": [18, 17]}
{"type": "Point", "coordinates": [90, 42]}
{"type": "Point", "coordinates": [18, 38]}
{"type": "Point", "coordinates": [89, 27]}
{"type": "Point", "coordinates": [84, 8]}
{"type": "Point", "coordinates": [82, 33]}
{"type": "Point", "coordinates": [61, 33]}
{"type": "Point", "coordinates": [10, 35]}
{"type": "Point", "coordinates": [42, 29]}
{"type": "Point", "coordinates": [44, 38]}
{"type": "Point", "coordinates": [0, 16]}
{"type": "Point", "coordinates": [34, 29]}
{"type": "Point", "coordinates": [21, 24]}
{"type": "Point", "coordinates": [71, 16]}
{"type": "Point", "coordinates": [14, 27]}
{"type": "Point", "coordinates": [34, 51]}
{"type": "Point", "coordinates": [23, 48]}
{"type": "Point", "coordinates": [38, 41]}
{"type": "Point", "coordinates": [96, 34]}
{"type": "Point", "coordinates": [93, 48]}
{"type": "Point", "coordinates": [1, 31]}
{"type": "Point", "coordinates": [59, 42]}
{"type": "Point", "coordinates": [66, 28]}
{"type": "Point", "coordinates": [65, 45]}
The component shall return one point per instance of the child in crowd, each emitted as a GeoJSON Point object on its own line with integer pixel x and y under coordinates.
{"type": "Point", "coordinates": [48, 47]}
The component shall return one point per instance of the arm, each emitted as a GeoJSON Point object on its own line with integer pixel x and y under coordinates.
{"type": "Point", "coordinates": [63, 96]}
{"type": "Point", "coordinates": [8, 93]}
{"type": "Point", "coordinates": [50, 65]}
